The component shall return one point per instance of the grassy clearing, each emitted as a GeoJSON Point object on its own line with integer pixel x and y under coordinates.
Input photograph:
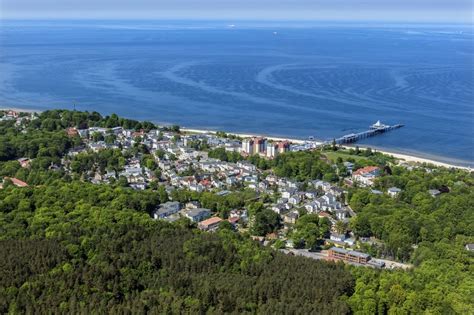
{"type": "Point", "coordinates": [333, 155]}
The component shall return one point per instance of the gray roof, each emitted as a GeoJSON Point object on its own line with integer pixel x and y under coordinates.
{"type": "Point", "coordinates": [359, 254]}
{"type": "Point", "coordinates": [377, 263]}
{"type": "Point", "coordinates": [170, 206]}
{"type": "Point", "coordinates": [293, 215]}
{"type": "Point", "coordinates": [196, 212]}
{"type": "Point", "coordinates": [339, 250]}
{"type": "Point", "coordinates": [351, 252]}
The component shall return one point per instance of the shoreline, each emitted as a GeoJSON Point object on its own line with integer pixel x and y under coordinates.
{"type": "Point", "coordinates": [246, 135]}
{"type": "Point", "coordinates": [398, 155]}
{"type": "Point", "coordinates": [411, 158]}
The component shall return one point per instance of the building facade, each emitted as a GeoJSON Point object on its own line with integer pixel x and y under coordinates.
{"type": "Point", "coordinates": [348, 255]}
{"type": "Point", "coordinates": [248, 146]}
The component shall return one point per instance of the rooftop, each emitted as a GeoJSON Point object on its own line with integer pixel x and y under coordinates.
{"type": "Point", "coordinates": [17, 182]}
{"type": "Point", "coordinates": [211, 221]}
{"type": "Point", "coordinates": [366, 170]}
{"type": "Point", "coordinates": [196, 212]}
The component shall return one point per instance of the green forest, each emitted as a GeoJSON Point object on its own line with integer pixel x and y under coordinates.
{"type": "Point", "coordinates": [80, 248]}
{"type": "Point", "coordinates": [68, 246]}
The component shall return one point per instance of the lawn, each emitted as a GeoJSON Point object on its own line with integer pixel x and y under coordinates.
{"type": "Point", "coordinates": [333, 155]}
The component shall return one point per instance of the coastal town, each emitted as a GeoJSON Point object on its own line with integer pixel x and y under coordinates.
{"type": "Point", "coordinates": [96, 192]}
{"type": "Point", "coordinates": [237, 157]}
{"type": "Point", "coordinates": [181, 161]}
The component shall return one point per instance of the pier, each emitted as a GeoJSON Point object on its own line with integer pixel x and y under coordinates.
{"type": "Point", "coordinates": [375, 129]}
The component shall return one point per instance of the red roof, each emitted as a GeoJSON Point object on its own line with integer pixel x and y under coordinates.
{"type": "Point", "coordinates": [205, 182]}
{"type": "Point", "coordinates": [233, 220]}
{"type": "Point", "coordinates": [210, 221]}
{"type": "Point", "coordinates": [18, 183]}
{"type": "Point", "coordinates": [365, 170]}
{"type": "Point", "coordinates": [71, 132]}
{"type": "Point", "coordinates": [138, 133]}
{"type": "Point", "coordinates": [12, 113]}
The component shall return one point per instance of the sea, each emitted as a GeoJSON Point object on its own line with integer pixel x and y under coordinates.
{"type": "Point", "coordinates": [276, 78]}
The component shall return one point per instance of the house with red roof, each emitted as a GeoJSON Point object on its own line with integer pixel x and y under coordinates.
{"type": "Point", "coordinates": [24, 162]}
{"type": "Point", "coordinates": [72, 132]}
{"type": "Point", "coordinates": [16, 182]}
{"type": "Point", "coordinates": [365, 176]}
{"type": "Point", "coordinates": [210, 224]}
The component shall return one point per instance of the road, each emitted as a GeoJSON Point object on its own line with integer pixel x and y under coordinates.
{"type": "Point", "coordinates": [323, 255]}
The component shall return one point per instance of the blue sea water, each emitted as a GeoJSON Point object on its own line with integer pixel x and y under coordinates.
{"type": "Point", "coordinates": [282, 79]}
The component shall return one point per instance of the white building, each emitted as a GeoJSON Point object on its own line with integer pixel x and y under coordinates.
{"type": "Point", "coordinates": [366, 175]}
{"type": "Point", "coordinates": [272, 150]}
{"type": "Point", "coordinates": [247, 146]}
{"type": "Point", "coordinates": [393, 191]}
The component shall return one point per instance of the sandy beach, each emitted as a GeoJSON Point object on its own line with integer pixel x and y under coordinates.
{"type": "Point", "coordinates": [415, 159]}
{"type": "Point", "coordinates": [244, 135]}
{"type": "Point", "coordinates": [399, 156]}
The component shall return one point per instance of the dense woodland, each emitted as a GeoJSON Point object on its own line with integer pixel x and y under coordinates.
{"type": "Point", "coordinates": [75, 247]}
{"type": "Point", "coordinates": [70, 246]}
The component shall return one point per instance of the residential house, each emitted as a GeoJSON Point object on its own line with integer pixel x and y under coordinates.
{"type": "Point", "coordinates": [294, 200]}
{"type": "Point", "coordinates": [336, 191]}
{"type": "Point", "coordinates": [311, 207]}
{"type": "Point", "coordinates": [434, 192]}
{"type": "Point", "coordinates": [17, 182]}
{"type": "Point", "coordinates": [365, 176]}
{"type": "Point", "coordinates": [138, 185]}
{"type": "Point", "coordinates": [72, 132]}
{"type": "Point", "coordinates": [341, 214]}
{"type": "Point", "coordinates": [193, 205]}
{"type": "Point", "coordinates": [288, 193]}
{"type": "Point", "coordinates": [198, 214]}
{"type": "Point", "coordinates": [325, 186]}
{"type": "Point", "coordinates": [279, 208]}
{"type": "Point", "coordinates": [337, 237]}
{"type": "Point", "coordinates": [24, 162]}
{"type": "Point", "coordinates": [231, 180]}
{"type": "Point", "coordinates": [263, 185]}
{"type": "Point", "coordinates": [234, 221]}
{"type": "Point", "coordinates": [97, 146]}
{"type": "Point", "coordinates": [166, 209]}
{"type": "Point", "coordinates": [393, 191]}
{"type": "Point", "coordinates": [291, 217]}
{"type": "Point", "coordinates": [210, 224]}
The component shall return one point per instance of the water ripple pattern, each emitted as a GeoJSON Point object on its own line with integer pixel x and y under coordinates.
{"type": "Point", "coordinates": [286, 81]}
